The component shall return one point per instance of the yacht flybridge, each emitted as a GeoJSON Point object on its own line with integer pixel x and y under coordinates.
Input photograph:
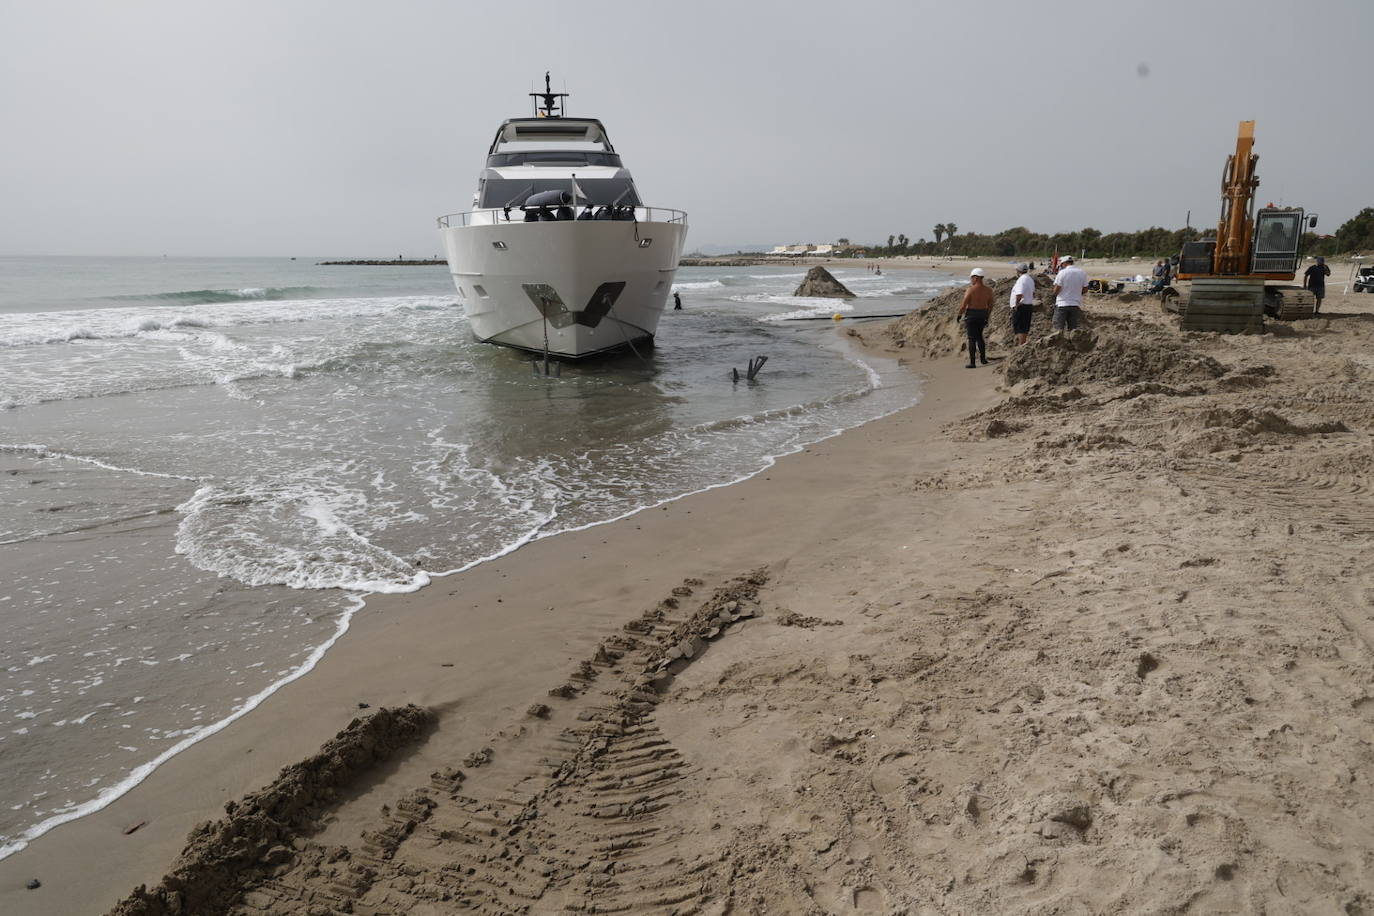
{"type": "Point", "coordinates": [559, 254]}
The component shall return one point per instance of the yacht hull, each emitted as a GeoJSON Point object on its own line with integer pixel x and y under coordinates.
{"type": "Point", "coordinates": [591, 285]}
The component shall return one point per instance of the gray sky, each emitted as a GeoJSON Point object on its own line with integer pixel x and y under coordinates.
{"type": "Point", "coordinates": [344, 128]}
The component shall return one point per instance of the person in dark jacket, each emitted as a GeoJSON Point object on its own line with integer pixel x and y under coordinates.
{"type": "Point", "coordinates": [1314, 280]}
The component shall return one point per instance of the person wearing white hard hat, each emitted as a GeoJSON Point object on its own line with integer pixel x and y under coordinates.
{"type": "Point", "coordinates": [1069, 284]}
{"type": "Point", "coordinates": [975, 309]}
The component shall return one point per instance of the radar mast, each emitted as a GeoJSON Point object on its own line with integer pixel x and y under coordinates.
{"type": "Point", "coordinates": [548, 104]}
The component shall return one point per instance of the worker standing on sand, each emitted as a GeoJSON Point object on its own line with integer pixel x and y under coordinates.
{"type": "Point", "coordinates": [1069, 284]}
{"type": "Point", "coordinates": [1022, 303]}
{"type": "Point", "coordinates": [1314, 279]}
{"type": "Point", "coordinates": [975, 309]}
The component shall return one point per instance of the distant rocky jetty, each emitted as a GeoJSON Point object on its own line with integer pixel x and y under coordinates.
{"type": "Point", "coordinates": [396, 263]}
{"type": "Point", "coordinates": [820, 283]}
{"type": "Point", "coordinates": [726, 262]}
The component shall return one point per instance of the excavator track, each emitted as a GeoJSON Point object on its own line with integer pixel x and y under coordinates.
{"type": "Point", "coordinates": [1289, 303]}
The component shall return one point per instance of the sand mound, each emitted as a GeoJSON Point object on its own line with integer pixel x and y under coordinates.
{"type": "Point", "coordinates": [1220, 429]}
{"type": "Point", "coordinates": [1130, 352]}
{"type": "Point", "coordinates": [934, 330]}
{"type": "Point", "coordinates": [223, 857]}
{"type": "Point", "coordinates": [1256, 421]}
{"type": "Point", "coordinates": [819, 282]}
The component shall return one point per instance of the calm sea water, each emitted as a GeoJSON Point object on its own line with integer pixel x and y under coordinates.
{"type": "Point", "coordinates": [207, 464]}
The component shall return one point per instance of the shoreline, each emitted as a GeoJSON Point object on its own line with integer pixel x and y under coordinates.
{"type": "Point", "coordinates": [360, 600]}
{"type": "Point", "coordinates": [159, 798]}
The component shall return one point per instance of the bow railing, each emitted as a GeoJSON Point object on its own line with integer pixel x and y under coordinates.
{"type": "Point", "coordinates": [492, 215]}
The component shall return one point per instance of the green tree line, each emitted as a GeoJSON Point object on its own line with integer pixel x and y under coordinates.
{"type": "Point", "coordinates": [1355, 235]}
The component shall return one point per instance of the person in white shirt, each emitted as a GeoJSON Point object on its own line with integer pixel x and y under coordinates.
{"type": "Point", "coordinates": [1069, 284]}
{"type": "Point", "coordinates": [1022, 303]}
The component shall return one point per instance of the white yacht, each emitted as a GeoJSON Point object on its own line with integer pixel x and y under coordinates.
{"type": "Point", "coordinates": [559, 255]}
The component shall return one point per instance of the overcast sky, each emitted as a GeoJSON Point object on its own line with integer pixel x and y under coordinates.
{"type": "Point", "coordinates": [344, 128]}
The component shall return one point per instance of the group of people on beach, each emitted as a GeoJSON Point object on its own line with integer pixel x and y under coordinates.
{"type": "Point", "coordinates": [978, 302]}
{"type": "Point", "coordinates": [1070, 281]}
{"type": "Point", "coordinates": [1162, 275]}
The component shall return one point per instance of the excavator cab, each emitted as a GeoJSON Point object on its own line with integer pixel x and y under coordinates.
{"type": "Point", "coordinates": [1278, 235]}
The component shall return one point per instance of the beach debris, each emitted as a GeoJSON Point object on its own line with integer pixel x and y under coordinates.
{"type": "Point", "coordinates": [364, 706]}
{"type": "Point", "coordinates": [820, 283]}
{"type": "Point", "coordinates": [133, 827]}
{"type": "Point", "coordinates": [539, 711]}
{"type": "Point", "coordinates": [34, 884]}
{"type": "Point", "coordinates": [755, 365]}
{"type": "Point", "coordinates": [564, 691]}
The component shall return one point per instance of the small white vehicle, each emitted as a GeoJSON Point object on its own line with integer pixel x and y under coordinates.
{"type": "Point", "coordinates": [1364, 280]}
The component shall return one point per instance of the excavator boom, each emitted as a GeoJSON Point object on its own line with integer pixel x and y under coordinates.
{"type": "Point", "coordinates": [1232, 255]}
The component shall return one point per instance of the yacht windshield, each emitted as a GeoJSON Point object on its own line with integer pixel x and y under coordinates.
{"type": "Point", "coordinates": [553, 157]}
{"type": "Point", "coordinates": [596, 192]}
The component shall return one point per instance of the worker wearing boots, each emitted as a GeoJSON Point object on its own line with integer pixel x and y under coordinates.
{"type": "Point", "coordinates": [975, 309]}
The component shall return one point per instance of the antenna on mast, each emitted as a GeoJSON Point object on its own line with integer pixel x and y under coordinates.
{"type": "Point", "coordinates": [548, 104]}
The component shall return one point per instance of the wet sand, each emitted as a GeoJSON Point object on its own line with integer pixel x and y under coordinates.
{"type": "Point", "coordinates": [1089, 630]}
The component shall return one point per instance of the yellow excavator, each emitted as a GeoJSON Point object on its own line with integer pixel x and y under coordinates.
{"type": "Point", "coordinates": [1230, 273]}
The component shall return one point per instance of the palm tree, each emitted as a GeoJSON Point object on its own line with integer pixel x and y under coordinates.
{"type": "Point", "coordinates": [939, 232]}
{"type": "Point", "coordinates": [890, 240]}
{"type": "Point", "coordinates": [901, 242]}
{"type": "Point", "coordinates": [950, 229]}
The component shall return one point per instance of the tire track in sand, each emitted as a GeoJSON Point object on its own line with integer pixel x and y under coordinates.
{"type": "Point", "coordinates": [546, 818]}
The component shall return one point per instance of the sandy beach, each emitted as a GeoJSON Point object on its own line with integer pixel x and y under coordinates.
{"type": "Point", "coordinates": [1086, 631]}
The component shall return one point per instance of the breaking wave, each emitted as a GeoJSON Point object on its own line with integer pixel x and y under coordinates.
{"type": "Point", "coordinates": [207, 296]}
{"type": "Point", "coordinates": [37, 328]}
